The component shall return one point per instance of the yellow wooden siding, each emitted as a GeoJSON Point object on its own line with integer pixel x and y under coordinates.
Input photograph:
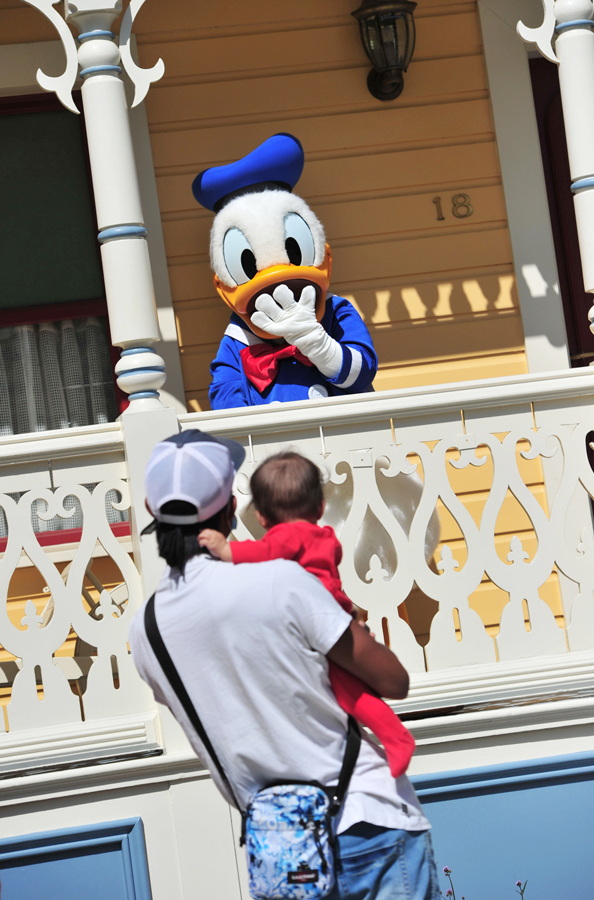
{"type": "Point", "coordinates": [438, 296]}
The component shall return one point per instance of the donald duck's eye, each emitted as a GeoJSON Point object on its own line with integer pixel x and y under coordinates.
{"type": "Point", "coordinates": [239, 256]}
{"type": "Point", "coordinates": [299, 242]}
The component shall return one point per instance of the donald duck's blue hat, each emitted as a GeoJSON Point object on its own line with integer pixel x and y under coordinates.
{"type": "Point", "coordinates": [277, 163]}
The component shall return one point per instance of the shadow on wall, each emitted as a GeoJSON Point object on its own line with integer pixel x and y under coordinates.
{"type": "Point", "coordinates": [446, 331]}
{"type": "Point", "coordinates": [443, 300]}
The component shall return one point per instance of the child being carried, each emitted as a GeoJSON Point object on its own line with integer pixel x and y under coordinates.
{"type": "Point", "coordinates": [288, 500]}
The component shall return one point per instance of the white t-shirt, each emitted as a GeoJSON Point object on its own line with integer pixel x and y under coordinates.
{"type": "Point", "coordinates": [249, 643]}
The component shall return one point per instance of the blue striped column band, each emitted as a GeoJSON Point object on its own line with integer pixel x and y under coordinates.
{"type": "Point", "coordinates": [144, 395]}
{"type": "Point", "coordinates": [582, 184]}
{"type": "Point", "coordinates": [576, 23]}
{"type": "Point", "coordinates": [99, 70]}
{"type": "Point", "coordinates": [95, 34]}
{"type": "Point", "coordinates": [134, 350]}
{"type": "Point", "coordinates": [121, 231]}
{"type": "Point", "coordinates": [153, 369]}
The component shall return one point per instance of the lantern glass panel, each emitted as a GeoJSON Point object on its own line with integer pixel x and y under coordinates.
{"type": "Point", "coordinates": [408, 40]}
{"type": "Point", "coordinates": [373, 43]}
{"type": "Point", "coordinates": [389, 32]}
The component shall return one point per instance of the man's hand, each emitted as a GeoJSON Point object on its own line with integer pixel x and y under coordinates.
{"type": "Point", "coordinates": [281, 315]}
{"type": "Point", "coordinates": [372, 662]}
{"type": "Point", "coordinates": [216, 544]}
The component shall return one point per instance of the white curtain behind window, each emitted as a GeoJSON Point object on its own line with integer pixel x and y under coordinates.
{"type": "Point", "coordinates": [56, 375]}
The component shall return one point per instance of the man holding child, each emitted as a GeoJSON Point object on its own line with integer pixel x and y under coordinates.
{"type": "Point", "coordinates": [252, 643]}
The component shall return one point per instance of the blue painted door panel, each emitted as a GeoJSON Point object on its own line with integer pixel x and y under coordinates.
{"type": "Point", "coordinates": [491, 840]}
{"type": "Point", "coordinates": [89, 875]}
{"type": "Point", "coordinates": [102, 861]}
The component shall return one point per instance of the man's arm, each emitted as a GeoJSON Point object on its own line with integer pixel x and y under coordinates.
{"type": "Point", "coordinates": [372, 662]}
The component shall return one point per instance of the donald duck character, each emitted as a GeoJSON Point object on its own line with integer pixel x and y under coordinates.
{"type": "Point", "coordinates": [289, 337]}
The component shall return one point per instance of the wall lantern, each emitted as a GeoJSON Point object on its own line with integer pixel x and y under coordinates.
{"type": "Point", "coordinates": [388, 36]}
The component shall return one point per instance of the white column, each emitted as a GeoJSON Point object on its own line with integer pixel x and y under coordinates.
{"type": "Point", "coordinates": [122, 234]}
{"type": "Point", "coordinates": [572, 23]}
{"type": "Point", "coordinates": [575, 52]}
{"type": "Point", "coordinates": [124, 250]}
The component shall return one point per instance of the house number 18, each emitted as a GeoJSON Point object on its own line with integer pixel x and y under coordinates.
{"type": "Point", "coordinates": [461, 207]}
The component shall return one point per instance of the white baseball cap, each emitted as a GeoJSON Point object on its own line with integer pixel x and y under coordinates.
{"type": "Point", "coordinates": [195, 467]}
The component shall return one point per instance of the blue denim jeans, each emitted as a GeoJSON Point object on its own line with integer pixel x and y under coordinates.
{"type": "Point", "coordinates": [374, 863]}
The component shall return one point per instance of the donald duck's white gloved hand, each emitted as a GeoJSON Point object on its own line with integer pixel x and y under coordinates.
{"type": "Point", "coordinates": [281, 315]}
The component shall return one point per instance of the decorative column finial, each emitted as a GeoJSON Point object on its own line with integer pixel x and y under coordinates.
{"type": "Point", "coordinates": [140, 78]}
{"type": "Point", "coordinates": [63, 84]}
{"type": "Point", "coordinates": [544, 34]}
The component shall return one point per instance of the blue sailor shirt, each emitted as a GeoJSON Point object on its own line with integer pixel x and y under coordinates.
{"type": "Point", "coordinates": [295, 381]}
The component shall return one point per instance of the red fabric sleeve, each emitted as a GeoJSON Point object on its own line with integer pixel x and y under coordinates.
{"type": "Point", "coordinates": [249, 552]}
{"type": "Point", "coordinates": [278, 543]}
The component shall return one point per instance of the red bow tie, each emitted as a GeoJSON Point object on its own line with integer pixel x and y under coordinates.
{"type": "Point", "coordinates": [261, 362]}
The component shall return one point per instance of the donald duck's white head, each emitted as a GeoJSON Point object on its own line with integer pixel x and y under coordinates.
{"type": "Point", "coordinates": [263, 236]}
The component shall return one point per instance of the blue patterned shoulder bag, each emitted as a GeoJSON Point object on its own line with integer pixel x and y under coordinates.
{"type": "Point", "coordinates": [286, 828]}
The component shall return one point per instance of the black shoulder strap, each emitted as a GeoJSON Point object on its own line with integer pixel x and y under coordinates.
{"type": "Point", "coordinates": [171, 673]}
{"type": "Point", "coordinates": [353, 742]}
{"type": "Point", "coordinates": [351, 754]}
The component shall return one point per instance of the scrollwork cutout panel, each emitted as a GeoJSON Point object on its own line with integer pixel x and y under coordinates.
{"type": "Point", "coordinates": [374, 467]}
{"type": "Point", "coordinates": [41, 693]}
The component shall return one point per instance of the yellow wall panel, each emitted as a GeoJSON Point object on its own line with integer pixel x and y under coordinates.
{"type": "Point", "coordinates": [373, 130]}
{"type": "Point", "coordinates": [411, 344]}
{"type": "Point", "coordinates": [183, 15]}
{"type": "Point", "coordinates": [392, 378]}
{"type": "Point", "coordinates": [422, 255]}
{"type": "Point", "coordinates": [424, 300]}
{"type": "Point", "coordinates": [207, 57]}
{"type": "Point", "coordinates": [372, 173]}
{"type": "Point", "coordinates": [375, 218]}
{"type": "Point", "coordinates": [306, 92]}
{"type": "Point", "coordinates": [21, 24]}
{"type": "Point", "coordinates": [186, 15]}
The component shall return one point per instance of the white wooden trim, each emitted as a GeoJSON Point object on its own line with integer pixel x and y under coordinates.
{"type": "Point", "coordinates": [72, 744]}
{"type": "Point", "coordinates": [508, 73]}
{"type": "Point", "coordinates": [417, 402]}
{"type": "Point", "coordinates": [561, 722]}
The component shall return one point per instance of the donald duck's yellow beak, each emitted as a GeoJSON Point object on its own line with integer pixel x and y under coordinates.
{"type": "Point", "coordinates": [242, 298]}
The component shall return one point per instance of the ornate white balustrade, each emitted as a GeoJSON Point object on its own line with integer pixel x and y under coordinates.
{"type": "Point", "coordinates": [65, 655]}
{"type": "Point", "coordinates": [375, 450]}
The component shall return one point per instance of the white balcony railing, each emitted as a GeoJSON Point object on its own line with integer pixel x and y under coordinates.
{"type": "Point", "coordinates": [507, 600]}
